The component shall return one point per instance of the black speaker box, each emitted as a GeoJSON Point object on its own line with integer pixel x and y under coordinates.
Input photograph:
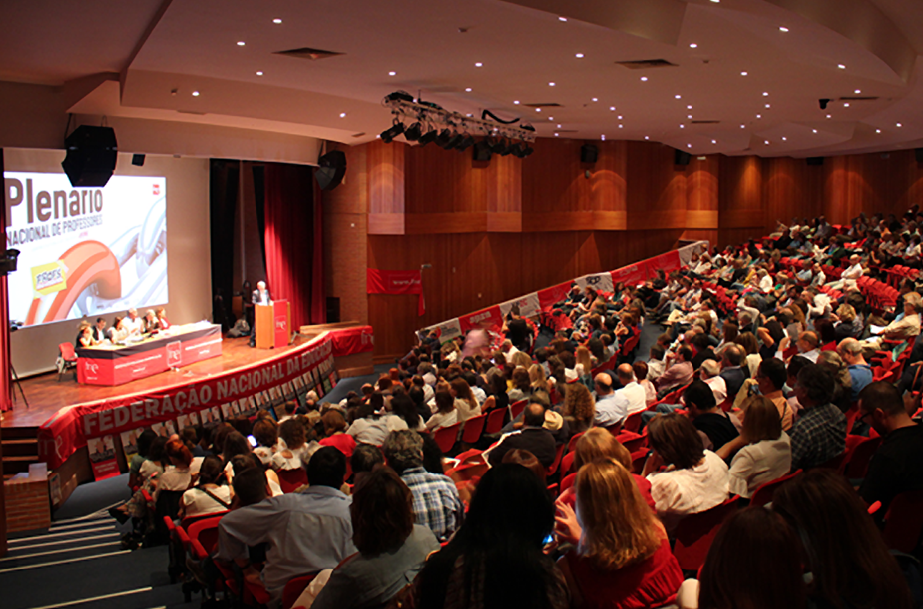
{"type": "Point", "coordinates": [681, 158]}
{"type": "Point", "coordinates": [918, 152]}
{"type": "Point", "coordinates": [589, 153]}
{"type": "Point", "coordinates": [331, 170]}
{"type": "Point", "coordinates": [333, 310]}
{"type": "Point", "coordinates": [481, 151]}
{"type": "Point", "coordinates": [91, 155]}
{"type": "Point", "coordinates": [815, 160]}
{"type": "Point", "coordinates": [137, 160]}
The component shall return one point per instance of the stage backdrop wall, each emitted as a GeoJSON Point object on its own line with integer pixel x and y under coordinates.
{"type": "Point", "coordinates": [34, 349]}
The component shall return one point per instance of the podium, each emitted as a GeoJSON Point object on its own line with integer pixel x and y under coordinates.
{"type": "Point", "coordinates": [272, 324]}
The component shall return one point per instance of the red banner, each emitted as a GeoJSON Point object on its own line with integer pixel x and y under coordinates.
{"type": "Point", "coordinates": [549, 296]}
{"type": "Point", "coordinates": [667, 262]}
{"type": "Point", "coordinates": [352, 340]}
{"type": "Point", "coordinates": [632, 274]}
{"type": "Point", "coordinates": [68, 430]}
{"type": "Point", "coordinates": [488, 319]}
{"type": "Point", "coordinates": [396, 282]}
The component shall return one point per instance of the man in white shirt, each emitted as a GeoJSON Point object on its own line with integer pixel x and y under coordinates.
{"type": "Point", "coordinates": [631, 397]}
{"type": "Point", "coordinates": [851, 275]}
{"type": "Point", "coordinates": [818, 303]}
{"type": "Point", "coordinates": [807, 346]}
{"type": "Point", "coordinates": [133, 323]}
{"type": "Point", "coordinates": [609, 412]}
{"type": "Point", "coordinates": [710, 372]}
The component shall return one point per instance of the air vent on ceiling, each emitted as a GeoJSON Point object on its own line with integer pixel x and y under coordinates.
{"type": "Point", "coordinates": [705, 122]}
{"type": "Point", "coordinates": [308, 53]}
{"type": "Point", "coordinates": [858, 98]}
{"type": "Point", "coordinates": [643, 64]}
{"type": "Point", "coordinates": [549, 105]}
{"type": "Point", "coordinates": [360, 134]}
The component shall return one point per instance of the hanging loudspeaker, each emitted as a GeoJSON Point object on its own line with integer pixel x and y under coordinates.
{"type": "Point", "coordinates": [91, 155]}
{"type": "Point", "coordinates": [332, 168]}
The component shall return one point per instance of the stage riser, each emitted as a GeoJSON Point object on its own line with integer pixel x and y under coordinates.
{"type": "Point", "coordinates": [20, 449]}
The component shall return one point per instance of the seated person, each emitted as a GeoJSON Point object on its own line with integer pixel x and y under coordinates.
{"type": "Point", "coordinates": [765, 451]}
{"type": "Point", "coordinates": [533, 438]}
{"type": "Point", "coordinates": [819, 435]}
{"type": "Point", "coordinates": [436, 503]}
{"type": "Point", "coordinates": [695, 479]}
{"type": "Point", "coordinates": [365, 459]}
{"type": "Point", "coordinates": [210, 494]}
{"type": "Point", "coordinates": [306, 531]}
{"type": "Point", "coordinates": [150, 324]}
{"type": "Point", "coordinates": [392, 549]}
{"type": "Point", "coordinates": [707, 418]}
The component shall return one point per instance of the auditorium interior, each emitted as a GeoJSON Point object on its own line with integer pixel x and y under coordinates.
{"type": "Point", "coordinates": [602, 135]}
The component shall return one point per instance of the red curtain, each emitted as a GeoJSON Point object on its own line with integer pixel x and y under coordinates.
{"type": "Point", "coordinates": [6, 402]}
{"type": "Point", "coordinates": [294, 262]}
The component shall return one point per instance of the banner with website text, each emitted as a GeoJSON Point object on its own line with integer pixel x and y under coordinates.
{"type": "Point", "coordinates": [532, 304]}
{"type": "Point", "coordinates": [237, 392]}
{"type": "Point", "coordinates": [396, 282]}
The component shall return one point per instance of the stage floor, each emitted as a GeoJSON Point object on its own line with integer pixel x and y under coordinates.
{"type": "Point", "coordinates": [46, 395]}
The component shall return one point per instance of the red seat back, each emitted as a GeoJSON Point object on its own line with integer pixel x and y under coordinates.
{"type": "Point", "coordinates": [446, 436]}
{"type": "Point", "coordinates": [293, 589]}
{"type": "Point", "coordinates": [553, 468]}
{"type": "Point", "coordinates": [572, 445]}
{"type": "Point", "coordinates": [291, 479]}
{"type": "Point", "coordinates": [516, 408]}
{"type": "Point", "coordinates": [205, 531]}
{"type": "Point", "coordinates": [695, 532]}
{"type": "Point", "coordinates": [904, 522]}
{"type": "Point", "coordinates": [67, 352]}
{"type": "Point", "coordinates": [495, 420]}
{"type": "Point", "coordinates": [632, 423]}
{"type": "Point", "coordinates": [858, 464]}
{"type": "Point", "coordinates": [763, 494]}
{"type": "Point", "coordinates": [567, 463]}
{"type": "Point", "coordinates": [473, 428]}
{"type": "Point", "coordinates": [568, 482]}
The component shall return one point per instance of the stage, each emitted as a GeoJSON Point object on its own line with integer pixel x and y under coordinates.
{"type": "Point", "coordinates": [46, 395]}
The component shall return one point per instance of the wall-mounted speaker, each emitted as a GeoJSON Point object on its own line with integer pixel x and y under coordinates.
{"type": "Point", "coordinates": [918, 153]}
{"type": "Point", "coordinates": [91, 155]}
{"type": "Point", "coordinates": [681, 158]}
{"type": "Point", "coordinates": [331, 170]}
{"type": "Point", "coordinates": [481, 151]}
{"type": "Point", "coordinates": [137, 160]}
{"type": "Point", "coordinates": [589, 153]}
{"type": "Point", "coordinates": [815, 160]}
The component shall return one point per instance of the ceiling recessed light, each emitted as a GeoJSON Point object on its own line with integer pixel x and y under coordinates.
{"type": "Point", "coordinates": [392, 73]}
{"type": "Point", "coordinates": [766, 142]}
{"type": "Point", "coordinates": [682, 126]}
{"type": "Point", "coordinates": [759, 116]}
{"type": "Point", "coordinates": [603, 137]}
{"type": "Point", "coordinates": [845, 104]}
{"type": "Point", "coordinates": [688, 145]}
{"type": "Point", "coordinates": [551, 84]}
{"type": "Point", "coordinates": [693, 45]}
{"type": "Point", "coordinates": [814, 130]}
{"type": "Point", "coordinates": [828, 116]}
{"type": "Point", "coordinates": [516, 102]}
{"type": "Point", "coordinates": [478, 64]}
{"type": "Point", "coordinates": [241, 43]}
{"type": "Point", "coordinates": [611, 108]}
{"type": "Point", "coordinates": [538, 109]}
{"type": "Point", "coordinates": [714, 141]}
{"type": "Point", "coordinates": [595, 99]}
{"type": "Point", "coordinates": [277, 21]}
{"type": "Point", "coordinates": [897, 124]}
{"type": "Point", "coordinates": [556, 135]}
{"type": "Point", "coordinates": [678, 96]}
{"type": "Point", "coordinates": [742, 126]}
{"type": "Point", "coordinates": [841, 66]}
{"type": "Point", "coordinates": [716, 1]}
{"type": "Point", "coordinates": [767, 105]}
{"type": "Point", "coordinates": [579, 56]}
{"type": "Point", "coordinates": [644, 79]}
{"type": "Point", "coordinates": [765, 93]}
{"type": "Point", "coordinates": [195, 93]}
{"type": "Point", "coordinates": [621, 126]}
{"type": "Point", "coordinates": [689, 116]}
{"type": "Point", "coordinates": [857, 91]}
{"type": "Point", "coordinates": [562, 18]}
{"type": "Point", "coordinates": [784, 139]}
{"type": "Point", "coordinates": [468, 89]}
{"type": "Point", "coordinates": [877, 130]}
{"type": "Point", "coordinates": [342, 115]}
{"type": "Point", "coordinates": [743, 73]}
{"type": "Point", "coordinates": [647, 137]}
{"type": "Point", "coordinates": [551, 118]}
{"type": "Point", "coordinates": [559, 126]}
{"type": "Point", "coordinates": [469, 114]}
{"type": "Point", "coordinates": [782, 28]}
{"type": "Point", "coordinates": [688, 107]}
{"type": "Point", "coordinates": [259, 73]}
{"type": "Point", "coordinates": [620, 117]}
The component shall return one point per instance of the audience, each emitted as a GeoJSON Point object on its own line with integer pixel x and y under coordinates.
{"type": "Point", "coordinates": [765, 451]}
{"type": "Point", "coordinates": [820, 433]}
{"type": "Point", "coordinates": [708, 419]}
{"type": "Point", "coordinates": [533, 437]}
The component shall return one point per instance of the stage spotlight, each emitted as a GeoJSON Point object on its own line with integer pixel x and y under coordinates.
{"type": "Point", "coordinates": [454, 141]}
{"type": "Point", "coordinates": [506, 148]}
{"type": "Point", "coordinates": [429, 136]}
{"type": "Point", "coordinates": [518, 150]}
{"type": "Point", "coordinates": [495, 145]}
{"type": "Point", "coordinates": [413, 132]}
{"type": "Point", "coordinates": [466, 142]}
{"type": "Point", "coordinates": [392, 132]}
{"type": "Point", "coordinates": [529, 150]}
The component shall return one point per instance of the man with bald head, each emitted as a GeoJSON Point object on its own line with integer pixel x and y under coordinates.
{"type": "Point", "coordinates": [807, 344]}
{"type": "Point", "coordinates": [860, 372]}
{"type": "Point", "coordinates": [608, 411]}
{"type": "Point", "coordinates": [631, 398]}
{"type": "Point", "coordinates": [533, 438]}
{"type": "Point", "coordinates": [732, 372]}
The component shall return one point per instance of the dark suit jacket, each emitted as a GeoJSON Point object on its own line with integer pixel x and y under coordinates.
{"type": "Point", "coordinates": [734, 378]}
{"type": "Point", "coordinates": [537, 440]}
{"type": "Point", "coordinates": [98, 334]}
{"type": "Point", "coordinates": [256, 297]}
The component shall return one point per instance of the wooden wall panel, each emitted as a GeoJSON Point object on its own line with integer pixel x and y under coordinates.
{"type": "Point", "coordinates": [791, 188]}
{"type": "Point", "coordinates": [657, 189]}
{"type": "Point", "coordinates": [386, 169]}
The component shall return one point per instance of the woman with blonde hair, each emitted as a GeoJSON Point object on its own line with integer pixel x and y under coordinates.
{"type": "Point", "coordinates": [623, 557]}
{"type": "Point", "coordinates": [584, 365]}
{"type": "Point", "coordinates": [521, 359]}
{"type": "Point", "coordinates": [579, 407]}
{"type": "Point", "coordinates": [537, 379]}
